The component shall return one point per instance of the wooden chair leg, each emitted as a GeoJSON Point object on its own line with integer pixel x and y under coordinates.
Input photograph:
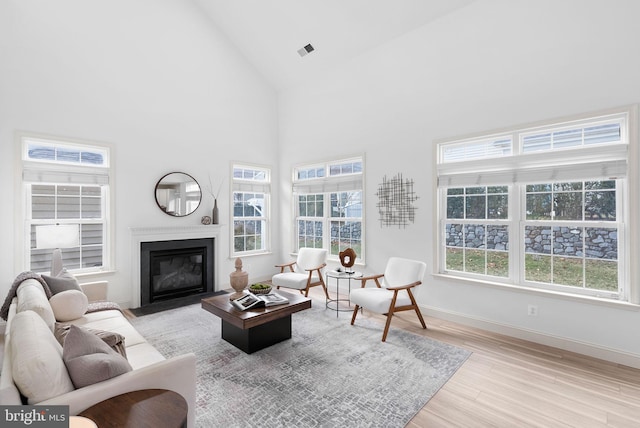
{"type": "Point", "coordinates": [392, 307]}
{"type": "Point", "coordinates": [387, 325]}
{"type": "Point", "coordinates": [417, 309]}
{"type": "Point", "coordinates": [420, 318]}
{"type": "Point", "coordinates": [324, 287]}
{"type": "Point", "coordinates": [355, 312]}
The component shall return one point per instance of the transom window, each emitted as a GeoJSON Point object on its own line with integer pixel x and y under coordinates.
{"type": "Point", "coordinates": [544, 213]}
{"type": "Point", "coordinates": [328, 209]}
{"type": "Point", "coordinates": [67, 183]}
{"type": "Point", "coordinates": [251, 193]}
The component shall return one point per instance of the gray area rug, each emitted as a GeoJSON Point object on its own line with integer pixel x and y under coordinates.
{"type": "Point", "coordinates": [329, 374]}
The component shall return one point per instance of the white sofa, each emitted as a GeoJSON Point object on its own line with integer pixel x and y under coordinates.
{"type": "Point", "coordinates": [149, 368]}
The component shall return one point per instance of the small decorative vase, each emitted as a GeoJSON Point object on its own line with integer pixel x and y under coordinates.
{"type": "Point", "coordinates": [214, 214]}
{"type": "Point", "coordinates": [239, 280]}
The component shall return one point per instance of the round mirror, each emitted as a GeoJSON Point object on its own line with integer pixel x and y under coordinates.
{"type": "Point", "coordinates": [178, 194]}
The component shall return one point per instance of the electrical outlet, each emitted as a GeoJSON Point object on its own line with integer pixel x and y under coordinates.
{"type": "Point", "coordinates": [532, 310]}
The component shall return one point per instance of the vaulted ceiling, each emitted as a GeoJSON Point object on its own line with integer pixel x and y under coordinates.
{"type": "Point", "coordinates": [270, 32]}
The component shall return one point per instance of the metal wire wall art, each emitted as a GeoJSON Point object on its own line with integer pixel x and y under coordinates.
{"type": "Point", "coordinates": [396, 199]}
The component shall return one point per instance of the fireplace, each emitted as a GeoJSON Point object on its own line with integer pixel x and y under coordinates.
{"type": "Point", "coordinates": [175, 269]}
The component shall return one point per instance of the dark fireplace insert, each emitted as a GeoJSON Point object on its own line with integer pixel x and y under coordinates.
{"type": "Point", "coordinates": [175, 269]}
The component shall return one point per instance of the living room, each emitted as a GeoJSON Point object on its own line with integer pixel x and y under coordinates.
{"type": "Point", "coordinates": [162, 85]}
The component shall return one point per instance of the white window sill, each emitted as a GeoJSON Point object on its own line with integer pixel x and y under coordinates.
{"type": "Point", "coordinates": [93, 274]}
{"type": "Point", "coordinates": [243, 255]}
{"type": "Point", "coordinates": [547, 293]}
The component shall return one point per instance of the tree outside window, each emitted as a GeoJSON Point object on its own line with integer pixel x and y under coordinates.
{"type": "Point", "coordinates": [251, 193]}
{"type": "Point", "coordinates": [329, 206]}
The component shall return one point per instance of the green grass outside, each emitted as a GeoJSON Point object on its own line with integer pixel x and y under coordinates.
{"type": "Point", "coordinates": [599, 274]}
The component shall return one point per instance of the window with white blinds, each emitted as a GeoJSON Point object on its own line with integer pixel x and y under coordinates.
{"type": "Point", "coordinates": [588, 148]}
{"type": "Point", "coordinates": [66, 183]}
{"type": "Point", "coordinates": [542, 206]}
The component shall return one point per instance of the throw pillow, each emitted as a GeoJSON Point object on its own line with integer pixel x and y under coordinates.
{"type": "Point", "coordinates": [31, 297]}
{"type": "Point", "coordinates": [89, 360]}
{"type": "Point", "coordinates": [63, 281]}
{"type": "Point", "coordinates": [113, 339]}
{"type": "Point", "coordinates": [69, 305]}
{"type": "Point", "coordinates": [36, 359]}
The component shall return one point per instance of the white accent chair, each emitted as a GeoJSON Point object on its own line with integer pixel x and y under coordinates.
{"type": "Point", "coordinates": [393, 294]}
{"type": "Point", "coordinates": [305, 272]}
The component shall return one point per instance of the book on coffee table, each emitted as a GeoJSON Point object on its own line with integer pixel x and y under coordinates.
{"type": "Point", "coordinates": [251, 300]}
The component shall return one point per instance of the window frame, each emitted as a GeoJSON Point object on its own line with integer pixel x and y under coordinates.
{"type": "Point", "coordinates": [246, 186]}
{"type": "Point", "coordinates": [327, 183]}
{"type": "Point", "coordinates": [34, 172]}
{"type": "Point", "coordinates": [626, 202]}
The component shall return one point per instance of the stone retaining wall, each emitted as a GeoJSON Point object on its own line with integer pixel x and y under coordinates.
{"type": "Point", "coordinates": [596, 243]}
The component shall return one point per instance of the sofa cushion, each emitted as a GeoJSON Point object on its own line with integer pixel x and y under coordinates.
{"type": "Point", "coordinates": [111, 321]}
{"type": "Point", "coordinates": [31, 297]}
{"type": "Point", "coordinates": [69, 305]}
{"type": "Point", "coordinates": [89, 360]}
{"type": "Point", "coordinates": [36, 359]}
{"type": "Point", "coordinates": [63, 281]}
{"type": "Point", "coordinates": [142, 355]}
{"type": "Point", "coordinates": [114, 340]}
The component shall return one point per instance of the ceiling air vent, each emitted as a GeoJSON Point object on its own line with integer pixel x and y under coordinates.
{"type": "Point", "coordinates": [305, 50]}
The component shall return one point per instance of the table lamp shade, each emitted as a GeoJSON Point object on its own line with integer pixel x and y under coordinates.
{"type": "Point", "coordinates": [57, 236]}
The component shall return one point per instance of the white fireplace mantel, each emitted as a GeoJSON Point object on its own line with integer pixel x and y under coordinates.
{"type": "Point", "coordinates": [167, 233]}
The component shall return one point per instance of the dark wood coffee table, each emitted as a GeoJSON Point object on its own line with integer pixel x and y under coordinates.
{"type": "Point", "coordinates": [255, 329]}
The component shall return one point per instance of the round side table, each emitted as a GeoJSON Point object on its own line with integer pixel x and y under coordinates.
{"type": "Point", "coordinates": [334, 304]}
{"type": "Point", "coordinates": [150, 408]}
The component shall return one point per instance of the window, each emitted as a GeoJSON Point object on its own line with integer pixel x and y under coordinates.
{"type": "Point", "coordinates": [251, 191]}
{"type": "Point", "coordinates": [66, 183]}
{"type": "Point", "coordinates": [571, 234]}
{"type": "Point", "coordinates": [477, 233]}
{"type": "Point", "coordinates": [546, 212]}
{"type": "Point", "coordinates": [328, 206]}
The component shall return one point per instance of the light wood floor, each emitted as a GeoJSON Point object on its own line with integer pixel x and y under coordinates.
{"type": "Point", "coordinates": [508, 382]}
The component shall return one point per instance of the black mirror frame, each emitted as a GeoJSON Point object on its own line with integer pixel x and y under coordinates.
{"type": "Point", "coordinates": [163, 209]}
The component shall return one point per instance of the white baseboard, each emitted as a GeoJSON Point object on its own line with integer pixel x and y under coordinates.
{"type": "Point", "coordinates": [589, 349]}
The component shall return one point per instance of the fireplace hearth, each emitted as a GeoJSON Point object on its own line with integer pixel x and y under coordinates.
{"type": "Point", "coordinates": [175, 269]}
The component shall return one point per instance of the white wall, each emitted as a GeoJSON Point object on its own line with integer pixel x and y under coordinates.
{"type": "Point", "coordinates": [493, 64]}
{"type": "Point", "coordinates": [151, 78]}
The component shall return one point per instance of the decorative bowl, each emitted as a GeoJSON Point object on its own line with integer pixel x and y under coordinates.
{"type": "Point", "coordinates": [261, 290]}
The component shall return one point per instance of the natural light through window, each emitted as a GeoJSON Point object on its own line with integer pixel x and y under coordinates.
{"type": "Point", "coordinates": [67, 183]}
{"type": "Point", "coordinates": [251, 194]}
{"type": "Point", "coordinates": [547, 212]}
{"type": "Point", "coordinates": [329, 206]}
